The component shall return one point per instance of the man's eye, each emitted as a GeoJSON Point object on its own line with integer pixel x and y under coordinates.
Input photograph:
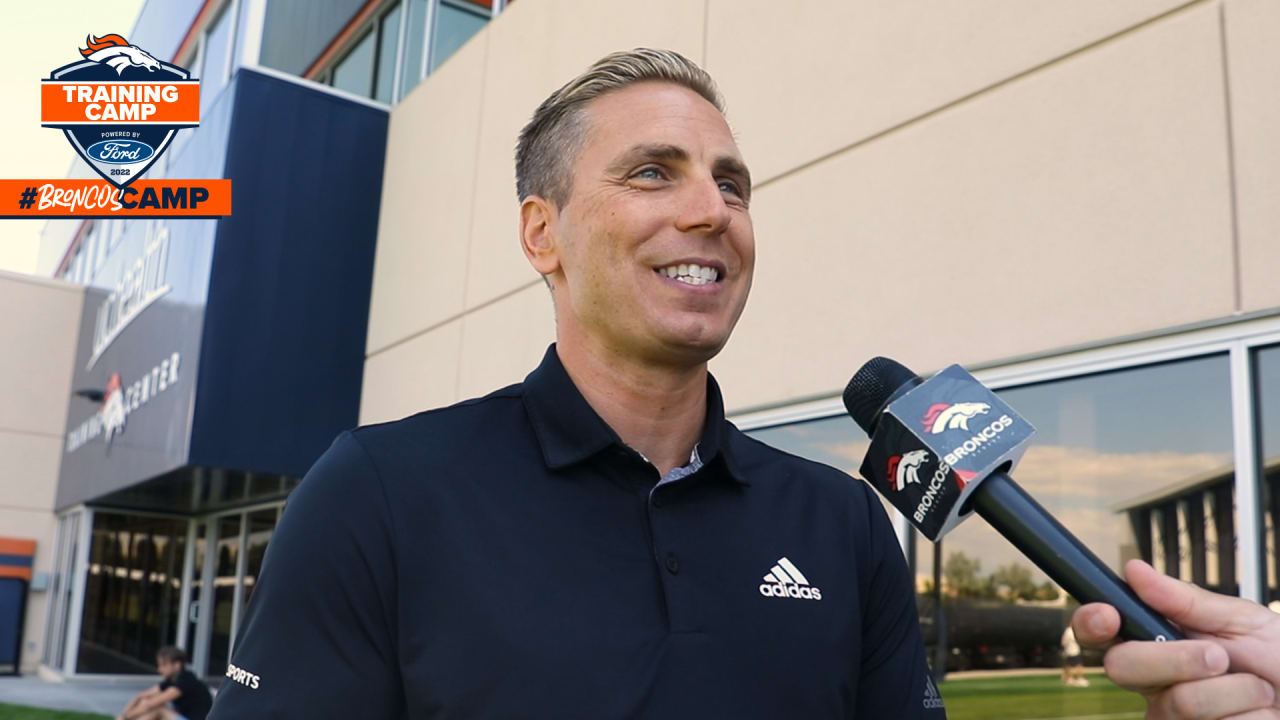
{"type": "Point", "coordinates": [649, 173]}
{"type": "Point", "coordinates": [730, 186]}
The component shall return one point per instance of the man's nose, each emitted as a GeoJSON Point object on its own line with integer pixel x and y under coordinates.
{"type": "Point", "coordinates": [703, 208]}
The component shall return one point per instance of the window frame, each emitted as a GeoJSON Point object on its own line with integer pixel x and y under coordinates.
{"type": "Point", "coordinates": [1238, 338]}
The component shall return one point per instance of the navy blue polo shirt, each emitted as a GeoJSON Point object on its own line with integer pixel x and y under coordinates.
{"type": "Point", "coordinates": [510, 557]}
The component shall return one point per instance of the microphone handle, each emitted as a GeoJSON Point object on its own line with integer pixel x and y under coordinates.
{"type": "Point", "coordinates": [1040, 537]}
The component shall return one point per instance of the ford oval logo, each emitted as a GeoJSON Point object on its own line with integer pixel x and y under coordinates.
{"type": "Point", "coordinates": [120, 152]}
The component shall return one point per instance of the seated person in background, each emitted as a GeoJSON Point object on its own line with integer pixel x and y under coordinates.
{"type": "Point", "coordinates": [1072, 660]}
{"type": "Point", "coordinates": [179, 696]}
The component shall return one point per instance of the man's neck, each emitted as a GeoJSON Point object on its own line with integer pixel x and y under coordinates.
{"type": "Point", "coordinates": [656, 410]}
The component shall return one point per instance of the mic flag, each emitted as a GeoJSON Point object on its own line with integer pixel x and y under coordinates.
{"type": "Point", "coordinates": [932, 446]}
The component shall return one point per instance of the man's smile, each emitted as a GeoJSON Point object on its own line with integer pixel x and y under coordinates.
{"type": "Point", "coordinates": [693, 273]}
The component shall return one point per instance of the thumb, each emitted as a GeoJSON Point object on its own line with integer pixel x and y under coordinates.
{"type": "Point", "coordinates": [1191, 607]}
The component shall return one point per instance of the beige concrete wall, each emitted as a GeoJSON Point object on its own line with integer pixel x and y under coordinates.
{"type": "Point", "coordinates": [1252, 32]}
{"type": "Point", "coordinates": [38, 334]}
{"type": "Point", "coordinates": [1076, 167]}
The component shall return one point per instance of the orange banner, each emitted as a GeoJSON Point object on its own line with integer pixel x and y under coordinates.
{"type": "Point", "coordinates": [16, 557]}
{"type": "Point", "coordinates": [128, 103]}
{"type": "Point", "coordinates": [66, 198]}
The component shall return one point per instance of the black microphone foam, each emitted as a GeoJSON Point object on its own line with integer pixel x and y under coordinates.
{"type": "Point", "coordinates": [871, 388]}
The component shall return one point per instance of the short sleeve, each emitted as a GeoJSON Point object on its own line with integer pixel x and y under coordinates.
{"type": "Point", "coordinates": [318, 638]}
{"type": "Point", "coordinates": [895, 680]}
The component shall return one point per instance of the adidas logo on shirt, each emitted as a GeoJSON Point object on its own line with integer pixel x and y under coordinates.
{"type": "Point", "coordinates": [932, 700]}
{"type": "Point", "coordinates": [785, 580]}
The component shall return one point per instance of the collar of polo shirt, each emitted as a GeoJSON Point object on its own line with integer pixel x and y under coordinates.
{"type": "Point", "coordinates": [569, 430]}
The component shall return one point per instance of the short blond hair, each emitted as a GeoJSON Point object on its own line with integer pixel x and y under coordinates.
{"type": "Point", "coordinates": [551, 140]}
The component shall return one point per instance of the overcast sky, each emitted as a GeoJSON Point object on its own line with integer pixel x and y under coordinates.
{"type": "Point", "coordinates": [38, 37]}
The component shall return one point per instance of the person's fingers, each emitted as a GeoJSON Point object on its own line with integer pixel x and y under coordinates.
{"type": "Point", "coordinates": [1151, 666]}
{"type": "Point", "coordinates": [1213, 698]}
{"type": "Point", "coordinates": [1095, 624]}
{"type": "Point", "coordinates": [1192, 607]}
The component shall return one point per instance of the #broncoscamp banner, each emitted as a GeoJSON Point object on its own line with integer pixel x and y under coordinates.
{"type": "Point", "coordinates": [120, 108]}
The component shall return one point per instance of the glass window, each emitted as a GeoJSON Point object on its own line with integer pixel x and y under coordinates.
{"type": "Point", "coordinates": [388, 42]}
{"type": "Point", "coordinates": [217, 48]}
{"type": "Point", "coordinates": [1135, 462]}
{"type": "Point", "coordinates": [90, 250]}
{"type": "Point", "coordinates": [100, 250]}
{"type": "Point", "coordinates": [132, 592]}
{"type": "Point", "coordinates": [226, 554]}
{"type": "Point", "coordinates": [1267, 373]}
{"type": "Point", "coordinates": [261, 524]}
{"type": "Point", "coordinates": [355, 72]}
{"type": "Point", "coordinates": [411, 75]}
{"type": "Point", "coordinates": [455, 23]}
{"type": "Point", "coordinates": [60, 586]}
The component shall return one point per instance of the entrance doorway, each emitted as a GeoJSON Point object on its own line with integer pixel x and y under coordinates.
{"type": "Point", "coordinates": [128, 583]}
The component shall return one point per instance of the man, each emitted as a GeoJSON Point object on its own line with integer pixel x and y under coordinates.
{"type": "Point", "coordinates": [179, 696]}
{"type": "Point", "coordinates": [596, 541]}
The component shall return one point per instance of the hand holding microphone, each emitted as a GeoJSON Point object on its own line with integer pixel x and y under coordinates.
{"type": "Point", "coordinates": [943, 449]}
{"type": "Point", "coordinates": [1231, 669]}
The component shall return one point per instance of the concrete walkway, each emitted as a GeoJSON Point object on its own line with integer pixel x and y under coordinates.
{"type": "Point", "coordinates": [91, 696]}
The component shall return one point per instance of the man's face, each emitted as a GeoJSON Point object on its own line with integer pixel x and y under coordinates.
{"type": "Point", "coordinates": [168, 669]}
{"type": "Point", "coordinates": [658, 186]}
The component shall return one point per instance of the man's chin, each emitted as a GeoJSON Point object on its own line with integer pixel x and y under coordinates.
{"type": "Point", "coordinates": [692, 349]}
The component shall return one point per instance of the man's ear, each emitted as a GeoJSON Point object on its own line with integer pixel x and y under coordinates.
{"type": "Point", "coordinates": [537, 234]}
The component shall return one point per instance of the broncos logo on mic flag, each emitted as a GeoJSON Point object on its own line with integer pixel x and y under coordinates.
{"type": "Point", "coordinates": [119, 106]}
{"type": "Point", "coordinates": [950, 416]}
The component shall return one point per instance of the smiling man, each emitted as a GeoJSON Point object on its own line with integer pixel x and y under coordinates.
{"type": "Point", "coordinates": [597, 541]}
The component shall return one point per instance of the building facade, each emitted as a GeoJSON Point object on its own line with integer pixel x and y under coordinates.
{"type": "Point", "coordinates": [1072, 200]}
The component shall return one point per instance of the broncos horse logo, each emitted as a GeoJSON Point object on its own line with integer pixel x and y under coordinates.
{"type": "Point", "coordinates": [112, 408]}
{"type": "Point", "coordinates": [944, 416]}
{"type": "Point", "coordinates": [115, 51]}
{"type": "Point", "coordinates": [905, 468]}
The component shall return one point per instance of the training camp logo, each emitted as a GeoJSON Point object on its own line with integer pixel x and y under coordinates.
{"type": "Point", "coordinates": [904, 469]}
{"type": "Point", "coordinates": [785, 580]}
{"type": "Point", "coordinates": [119, 106]}
{"type": "Point", "coordinates": [950, 416]}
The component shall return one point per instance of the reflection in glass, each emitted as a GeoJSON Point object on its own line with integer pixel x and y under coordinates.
{"type": "Point", "coordinates": [1266, 370]}
{"type": "Point", "coordinates": [411, 75]}
{"type": "Point", "coordinates": [60, 586]}
{"type": "Point", "coordinates": [261, 525]}
{"type": "Point", "coordinates": [355, 73]}
{"type": "Point", "coordinates": [226, 554]}
{"type": "Point", "coordinates": [132, 592]}
{"type": "Point", "coordinates": [1136, 462]}
{"type": "Point", "coordinates": [455, 23]}
{"type": "Point", "coordinates": [388, 42]}
{"type": "Point", "coordinates": [217, 48]}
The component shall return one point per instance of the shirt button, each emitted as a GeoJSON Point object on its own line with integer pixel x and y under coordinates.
{"type": "Point", "coordinates": [673, 563]}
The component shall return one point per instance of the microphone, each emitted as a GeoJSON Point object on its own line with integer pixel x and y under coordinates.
{"type": "Point", "coordinates": [943, 448]}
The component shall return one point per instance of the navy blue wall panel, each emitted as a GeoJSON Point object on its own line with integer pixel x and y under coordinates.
{"type": "Point", "coordinates": [282, 355]}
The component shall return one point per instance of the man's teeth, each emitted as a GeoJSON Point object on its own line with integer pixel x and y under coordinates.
{"type": "Point", "coordinates": [692, 274]}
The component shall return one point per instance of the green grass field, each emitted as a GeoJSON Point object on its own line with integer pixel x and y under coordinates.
{"type": "Point", "coordinates": [1014, 698]}
{"type": "Point", "coordinates": [21, 712]}
{"type": "Point", "coordinates": [1032, 698]}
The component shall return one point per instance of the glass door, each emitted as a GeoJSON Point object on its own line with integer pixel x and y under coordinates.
{"type": "Point", "coordinates": [226, 554]}
{"type": "Point", "coordinates": [229, 549]}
